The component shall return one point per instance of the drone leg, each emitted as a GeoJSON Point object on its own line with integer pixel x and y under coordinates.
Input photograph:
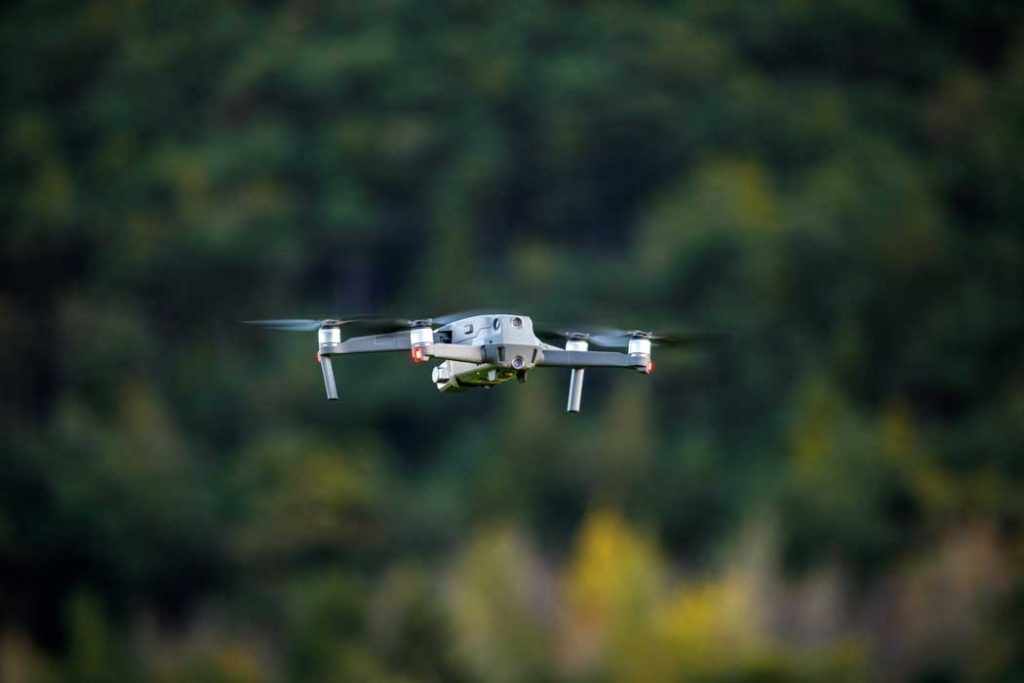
{"type": "Point", "coordinates": [575, 390]}
{"type": "Point", "coordinates": [328, 369]}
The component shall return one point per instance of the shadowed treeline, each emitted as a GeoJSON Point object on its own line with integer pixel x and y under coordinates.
{"type": "Point", "coordinates": [834, 493]}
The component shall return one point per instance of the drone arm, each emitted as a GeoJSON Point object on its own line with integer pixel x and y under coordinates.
{"type": "Point", "coordinates": [400, 341]}
{"type": "Point", "coordinates": [577, 358]}
{"type": "Point", "coordinates": [396, 341]}
{"type": "Point", "coordinates": [462, 352]}
{"type": "Point", "coordinates": [558, 358]}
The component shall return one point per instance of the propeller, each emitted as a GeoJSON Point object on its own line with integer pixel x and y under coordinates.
{"type": "Point", "coordinates": [372, 324]}
{"type": "Point", "coordinates": [289, 324]}
{"type": "Point", "coordinates": [614, 338]}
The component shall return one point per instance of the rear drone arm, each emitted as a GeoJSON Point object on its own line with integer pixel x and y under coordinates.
{"type": "Point", "coordinates": [557, 358]}
{"type": "Point", "coordinates": [577, 357]}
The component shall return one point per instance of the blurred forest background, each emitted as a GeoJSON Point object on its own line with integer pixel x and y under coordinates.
{"type": "Point", "coordinates": [837, 493]}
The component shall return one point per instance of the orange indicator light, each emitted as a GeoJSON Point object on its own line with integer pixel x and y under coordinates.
{"type": "Point", "coordinates": [417, 354]}
{"type": "Point", "coordinates": [650, 366]}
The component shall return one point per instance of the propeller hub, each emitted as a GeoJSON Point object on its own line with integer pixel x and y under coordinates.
{"type": "Point", "coordinates": [329, 335]}
{"type": "Point", "coordinates": [576, 344]}
{"type": "Point", "coordinates": [639, 346]}
{"type": "Point", "coordinates": [421, 335]}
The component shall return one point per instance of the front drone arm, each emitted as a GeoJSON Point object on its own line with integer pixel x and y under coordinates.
{"type": "Point", "coordinates": [331, 345]}
{"type": "Point", "coordinates": [396, 341]}
{"type": "Point", "coordinates": [460, 352]}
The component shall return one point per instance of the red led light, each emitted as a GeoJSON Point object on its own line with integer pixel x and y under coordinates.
{"type": "Point", "coordinates": [318, 357]}
{"type": "Point", "coordinates": [650, 366]}
{"type": "Point", "coordinates": [417, 354]}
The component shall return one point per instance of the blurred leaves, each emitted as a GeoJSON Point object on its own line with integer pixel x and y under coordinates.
{"type": "Point", "coordinates": [498, 606]}
{"type": "Point", "coordinates": [834, 184]}
{"type": "Point", "coordinates": [301, 498]}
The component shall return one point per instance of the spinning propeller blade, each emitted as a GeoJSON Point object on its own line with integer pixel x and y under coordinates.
{"type": "Point", "coordinates": [366, 324]}
{"type": "Point", "coordinates": [289, 324]}
{"type": "Point", "coordinates": [614, 338]}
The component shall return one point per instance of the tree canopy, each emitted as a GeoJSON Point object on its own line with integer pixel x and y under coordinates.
{"type": "Point", "coordinates": [836, 492]}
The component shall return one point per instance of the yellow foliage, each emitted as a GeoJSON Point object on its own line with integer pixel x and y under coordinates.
{"type": "Point", "coordinates": [612, 587]}
{"type": "Point", "coordinates": [711, 626]}
{"type": "Point", "coordinates": [623, 620]}
{"type": "Point", "coordinates": [615, 572]}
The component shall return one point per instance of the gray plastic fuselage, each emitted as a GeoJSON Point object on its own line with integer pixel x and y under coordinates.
{"type": "Point", "coordinates": [509, 346]}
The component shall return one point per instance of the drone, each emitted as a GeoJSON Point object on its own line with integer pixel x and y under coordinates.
{"type": "Point", "coordinates": [483, 349]}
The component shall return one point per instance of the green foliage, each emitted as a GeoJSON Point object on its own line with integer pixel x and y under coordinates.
{"type": "Point", "coordinates": [498, 609]}
{"type": "Point", "coordinates": [835, 184]}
